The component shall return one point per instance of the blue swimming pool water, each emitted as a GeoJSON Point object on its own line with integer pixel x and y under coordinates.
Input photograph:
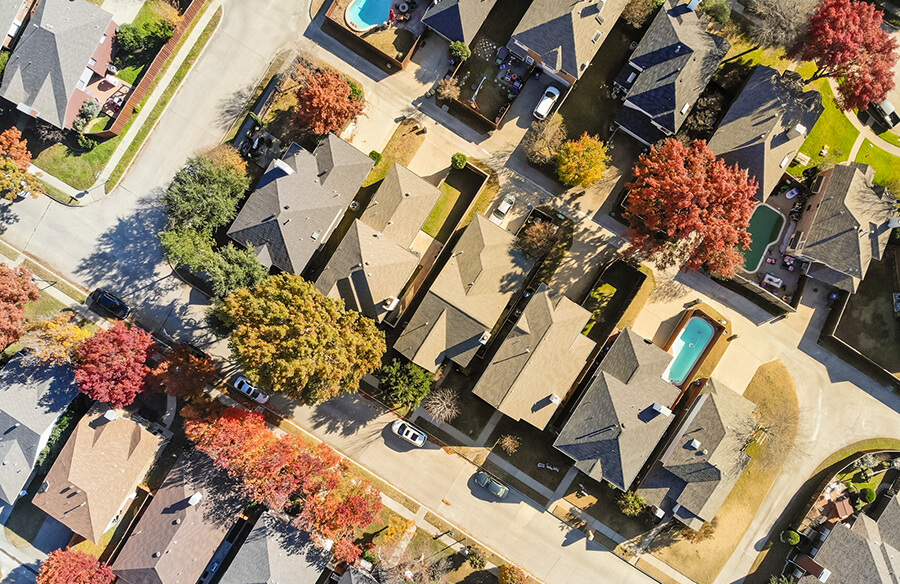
{"type": "Point", "coordinates": [365, 14]}
{"type": "Point", "coordinates": [688, 348]}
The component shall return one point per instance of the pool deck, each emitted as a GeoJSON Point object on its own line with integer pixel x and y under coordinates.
{"type": "Point", "coordinates": [714, 350]}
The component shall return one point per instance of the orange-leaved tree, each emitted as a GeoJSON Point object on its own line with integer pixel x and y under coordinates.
{"type": "Point", "coordinates": [325, 101]}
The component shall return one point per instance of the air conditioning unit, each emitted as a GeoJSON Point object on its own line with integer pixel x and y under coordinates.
{"type": "Point", "coordinates": [391, 303]}
{"type": "Point", "coordinates": [484, 339]}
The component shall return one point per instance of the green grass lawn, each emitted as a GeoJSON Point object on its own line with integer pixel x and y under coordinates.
{"type": "Point", "coordinates": [402, 147]}
{"type": "Point", "coordinates": [79, 171]}
{"type": "Point", "coordinates": [50, 277]}
{"type": "Point", "coordinates": [890, 137]}
{"type": "Point", "coordinates": [441, 211]}
{"type": "Point", "coordinates": [833, 129]}
{"type": "Point", "coordinates": [55, 193]}
{"type": "Point", "coordinates": [886, 165]}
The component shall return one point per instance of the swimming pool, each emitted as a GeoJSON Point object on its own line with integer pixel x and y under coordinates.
{"type": "Point", "coordinates": [688, 348]}
{"type": "Point", "coordinates": [362, 15]}
{"type": "Point", "coordinates": [765, 229]}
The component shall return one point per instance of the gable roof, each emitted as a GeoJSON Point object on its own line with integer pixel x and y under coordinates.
{"type": "Point", "coordinates": [32, 396]}
{"type": "Point", "coordinates": [367, 271]}
{"type": "Point", "coordinates": [541, 357]}
{"type": "Point", "coordinates": [100, 465]}
{"type": "Point", "coordinates": [290, 215]}
{"type": "Point", "coordinates": [700, 477]}
{"type": "Point", "coordinates": [467, 297]}
{"type": "Point", "coordinates": [174, 540]}
{"type": "Point", "coordinates": [850, 227]}
{"type": "Point", "coordinates": [458, 20]}
{"type": "Point", "coordinates": [356, 576]}
{"type": "Point", "coordinates": [53, 53]}
{"type": "Point", "coordinates": [401, 205]}
{"type": "Point", "coordinates": [614, 428]}
{"type": "Point", "coordinates": [671, 65]}
{"type": "Point", "coordinates": [561, 33]}
{"type": "Point", "coordinates": [759, 132]}
{"type": "Point", "coordinates": [275, 552]}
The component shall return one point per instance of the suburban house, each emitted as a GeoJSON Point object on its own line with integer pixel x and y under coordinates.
{"type": "Point", "coordinates": [299, 201]}
{"type": "Point", "coordinates": [63, 54]}
{"type": "Point", "coordinates": [623, 413]}
{"type": "Point", "coordinates": [457, 20]}
{"type": "Point", "coordinates": [31, 399]}
{"type": "Point", "coordinates": [865, 550]}
{"type": "Point", "coordinates": [183, 525]}
{"type": "Point", "coordinates": [766, 125]}
{"type": "Point", "coordinates": [462, 306]}
{"type": "Point", "coordinates": [275, 552]}
{"type": "Point", "coordinates": [13, 14]}
{"type": "Point", "coordinates": [667, 72]}
{"type": "Point", "coordinates": [539, 361]}
{"type": "Point", "coordinates": [845, 225]}
{"type": "Point", "coordinates": [353, 575]}
{"type": "Point", "coordinates": [97, 472]}
{"type": "Point", "coordinates": [563, 37]}
{"type": "Point", "coordinates": [704, 459]}
{"type": "Point", "coordinates": [373, 262]}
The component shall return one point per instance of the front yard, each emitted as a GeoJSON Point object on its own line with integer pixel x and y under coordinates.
{"type": "Point", "coordinates": [886, 165]}
{"type": "Point", "coordinates": [833, 130]}
{"type": "Point", "coordinates": [536, 448]}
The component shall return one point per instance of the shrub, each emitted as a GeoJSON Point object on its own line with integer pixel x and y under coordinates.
{"type": "Point", "coordinates": [718, 10]}
{"type": "Point", "coordinates": [370, 557]}
{"type": "Point", "coordinates": [510, 574]}
{"type": "Point", "coordinates": [86, 143]}
{"type": "Point", "coordinates": [867, 494]}
{"type": "Point", "coordinates": [89, 109]}
{"type": "Point", "coordinates": [448, 90]}
{"type": "Point", "coordinates": [408, 383]}
{"type": "Point", "coordinates": [459, 51]}
{"type": "Point", "coordinates": [78, 124]}
{"type": "Point", "coordinates": [356, 90]}
{"type": "Point", "coordinates": [130, 38]}
{"type": "Point", "coordinates": [477, 558]}
{"type": "Point", "coordinates": [458, 160]}
{"type": "Point", "coordinates": [790, 537]}
{"type": "Point", "coordinates": [4, 59]}
{"type": "Point", "coordinates": [376, 156]}
{"type": "Point", "coordinates": [632, 504]}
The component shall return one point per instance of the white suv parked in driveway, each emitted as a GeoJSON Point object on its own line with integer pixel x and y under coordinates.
{"type": "Point", "coordinates": [502, 209]}
{"type": "Point", "coordinates": [551, 94]}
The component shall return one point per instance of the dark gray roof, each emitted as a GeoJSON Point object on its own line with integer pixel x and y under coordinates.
{"type": "Point", "coordinates": [401, 204]}
{"type": "Point", "coordinates": [367, 271]}
{"type": "Point", "coordinates": [44, 69]}
{"type": "Point", "coordinates": [467, 297]}
{"type": "Point", "coordinates": [542, 356]}
{"type": "Point", "coordinates": [700, 477]}
{"type": "Point", "coordinates": [275, 552]}
{"type": "Point", "coordinates": [356, 576]}
{"type": "Point", "coordinates": [675, 60]}
{"type": "Point", "coordinates": [290, 215]}
{"type": "Point", "coordinates": [32, 396]}
{"type": "Point", "coordinates": [614, 428]}
{"type": "Point", "coordinates": [561, 33]}
{"type": "Point", "coordinates": [850, 227]}
{"type": "Point", "coordinates": [174, 541]}
{"type": "Point", "coordinates": [458, 20]}
{"type": "Point", "coordinates": [760, 131]}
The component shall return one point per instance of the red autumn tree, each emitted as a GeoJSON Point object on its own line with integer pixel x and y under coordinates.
{"type": "Point", "coordinates": [12, 146]}
{"type": "Point", "coordinates": [111, 365]}
{"type": "Point", "coordinates": [845, 40]}
{"type": "Point", "coordinates": [16, 290]}
{"type": "Point", "coordinates": [686, 208]}
{"type": "Point", "coordinates": [70, 566]}
{"type": "Point", "coordinates": [325, 103]}
{"type": "Point", "coordinates": [183, 373]}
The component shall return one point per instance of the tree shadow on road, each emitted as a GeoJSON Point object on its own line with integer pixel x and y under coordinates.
{"type": "Point", "coordinates": [348, 415]}
{"type": "Point", "coordinates": [7, 216]}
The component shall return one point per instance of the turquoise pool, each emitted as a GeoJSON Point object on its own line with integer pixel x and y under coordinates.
{"type": "Point", "coordinates": [688, 348]}
{"type": "Point", "coordinates": [362, 15]}
{"type": "Point", "coordinates": [765, 228]}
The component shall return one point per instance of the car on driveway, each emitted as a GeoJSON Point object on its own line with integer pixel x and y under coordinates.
{"type": "Point", "coordinates": [551, 94]}
{"type": "Point", "coordinates": [502, 209]}
{"type": "Point", "coordinates": [409, 432]}
{"type": "Point", "coordinates": [106, 303]}
{"type": "Point", "coordinates": [494, 487]}
{"type": "Point", "coordinates": [245, 387]}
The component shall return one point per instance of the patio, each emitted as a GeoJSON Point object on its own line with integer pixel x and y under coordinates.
{"type": "Point", "coordinates": [110, 91]}
{"type": "Point", "coordinates": [395, 38]}
{"type": "Point", "coordinates": [490, 80]}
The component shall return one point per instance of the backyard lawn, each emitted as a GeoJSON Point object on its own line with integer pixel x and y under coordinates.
{"type": "Point", "coordinates": [772, 389]}
{"type": "Point", "coordinates": [459, 189]}
{"type": "Point", "coordinates": [833, 129]}
{"type": "Point", "coordinates": [441, 211]}
{"type": "Point", "coordinates": [886, 165]}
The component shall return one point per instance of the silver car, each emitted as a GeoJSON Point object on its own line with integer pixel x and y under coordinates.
{"type": "Point", "coordinates": [409, 432]}
{"type": "Point", "coordinates": [245, 387]}
{"type": "Point", "coordinates": [494, 487]}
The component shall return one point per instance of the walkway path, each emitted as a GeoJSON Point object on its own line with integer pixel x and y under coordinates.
{"type": "Point", "coordinates": [865, 131]}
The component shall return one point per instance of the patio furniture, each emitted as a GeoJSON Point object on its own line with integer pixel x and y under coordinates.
{"type": "Point", "coordinates": [773, 280]}
{"type": "Point", "coordinates": [770, 260]}
{"type": "Point", "coordinates": [502, 53]}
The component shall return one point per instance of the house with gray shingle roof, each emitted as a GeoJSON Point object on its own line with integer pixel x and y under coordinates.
{"type": "Point", "coordinates": [539, 360]}
{"type": "Point", "coordinates": [469, 294]}
{"type": "Point", "coordinates": [275, 552]}
{"type": "Point", "coordinates": [299, 201]}
{"type": "Point", "coordinates": [400, 206]}
{"type": "Point", "coordinates": [704, 459]}
{"type": "Point", "coordinates": [64, 46]}
{"type": "Point", "coordinates": [667, 72]}
{"type": "Point", "coordinates": [845, 225]}
{"type": "Point", "coordinates": [32, 397]}
{"type": "Point", "coordinates": [13, 14]}
{"type": "Point", "coordinates": [623, 413]}
{"type": "Point", "coordinates": [766, 125]}
{"type": "Point", "coordinates": [368, 271]}
{"type": "Point", "coordinates": [563, 37]}
{"type": "Point", "coordinates": [457, 20]}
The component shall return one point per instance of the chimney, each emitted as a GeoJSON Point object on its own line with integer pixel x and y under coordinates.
{"type": "Point", "coordinates": [694, 444]}
{"type": "Point", "coordinates": [893, 222]}
{"type": "Point", "coordinates": [484, 338]}
{"type": "Point", "coordinates": [661, 409]}
{"type": "Point", "coordinates": [796, 131]}
{"type": "Point", "coordinates": [693, 4]}
{"type": "Point", "coordinates": [195, 499]}
{"type": "Point", "coordinates": [555, 399]}
{"type": "Point", "coordinates": [110, 415]}
{"type": "Point", "coordinates": [284, 167]}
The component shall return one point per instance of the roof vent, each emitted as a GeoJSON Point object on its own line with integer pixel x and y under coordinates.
{"type": "Point", "coordinates": [705, 451]}
{"type": "Point", "coordinates": [110, 415]}
{"type": "Point", "coordinates": [685, 108]}
{"type": "Point", "coordinates": [315, 235]}
{"type": "Point", "coordinates": [555, 399]}
{"type": "Point", "coordinates": [44, 486]}
{"type": "Point", "coordinates": [156, 554]}
{"type": "Point", "coordinates": [661, 409]}
{"type": "Point", "coordinates": [284, 167]}
{"type": "Point", "coordinates": [195, 498]}
{"type": "Point", "coordinates": [177, 521]}
{"type": "Point", "coordinates": [406, 194]}
{"type": "Point", "coordinates": [694, 444]}
{"type": "Point", "coordinates": [484, 338]}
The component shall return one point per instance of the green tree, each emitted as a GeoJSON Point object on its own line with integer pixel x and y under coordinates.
{"type": "Point", "coordinates": [131, 38]}
{"type": "Point", "coordinates": [718, 10]}
{"type": "Point", "coordinates": [867, 494]}
{"type": "Point", "coordinates": [783, 579]}
{"type": "Point", "coordinates": [407, 382]}
{"type": "Point", "coordinates": [204, 196]}
{"type": "Point", "coordinates": [790, 537]}
{"type": "Point", "coordinates": [458, 160]}
{"type": "Point", "coordinates": [582, 162]}
{"type": "Point", "coordinates": [631, 503]}
{"type": "Point", "coordinates": [292, 339]}
{"type": "Point", "coordinates": [459, 51]}
{"type": "Point", "coordinates": [231, 268]}
{"type": "Point", "coordinates": [188, 247]}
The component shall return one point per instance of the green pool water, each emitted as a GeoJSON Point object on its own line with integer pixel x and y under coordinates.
{"type": "Point", "coordinates": [765, 227]}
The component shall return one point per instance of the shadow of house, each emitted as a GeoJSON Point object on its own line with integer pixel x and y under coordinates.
{"type": "Point", "coordinates": [667, 73]}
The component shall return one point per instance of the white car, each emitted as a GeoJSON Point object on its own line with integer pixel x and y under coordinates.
{"type": "Point", "coordinates": [502, 209]}
{"type": "Point", "coordinates": [551, 94]}
{"type": "Point", "coordinates": [409, 432]}
{"type": "Point", "coordinates": [245, 387]}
